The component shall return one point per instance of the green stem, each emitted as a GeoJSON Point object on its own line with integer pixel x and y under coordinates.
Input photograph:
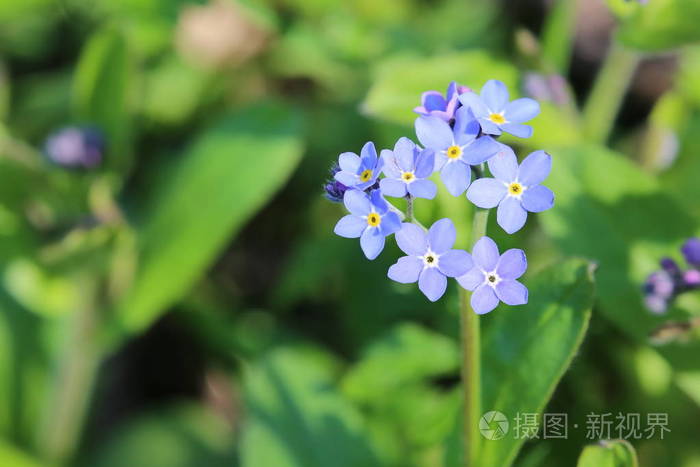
{"type": "Point", "coordinates": [608, 91]}
{"type": "Point", "coordinates": [471, 357]}
{"type": "Point", "coordinates": [558, 35]}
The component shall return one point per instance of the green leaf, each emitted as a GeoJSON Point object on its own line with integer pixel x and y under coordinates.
{"type": "Point", "coordinates": [297, 418]}
{"type": "Point", "coordinates": [610, 211]}
{"type": "Point", "coordinates": [101, 93]}
{"type": "Point", "coordinates": [399, 81]}
{"type": "Point", "coordinates": [12, 456]}
{"type": "Point", "coordinates": [615, 453]}
{"type": "Point", "coordinates": [526, 350]}
{"type": "Point", "coordinates": [224, 177]}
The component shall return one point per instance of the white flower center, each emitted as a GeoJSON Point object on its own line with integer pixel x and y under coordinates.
{"type": "Point", "coordinates": [491, 278]}
{"type": "Point", "coordinates": [430, 259]}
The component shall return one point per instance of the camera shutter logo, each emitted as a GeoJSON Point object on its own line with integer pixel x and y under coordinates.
{"type": "Point", "coordinates": [493, 425]}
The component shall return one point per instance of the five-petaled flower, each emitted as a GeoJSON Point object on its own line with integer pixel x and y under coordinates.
{"type": "Point", "coordinates": [515, 190]}
{"type": "Point", "coordinates": [370, 218]}
{"type": "Point", "coordinates": [406, 169]}
{"type": "Point", "coordinates": [496, 114]}
{"type": "Point", "coordinates": [430, 258]}
{"type": "Point", "coordinates": [455, 148]}
{"type": "Point", "coordinates": [444, 107]}
{"type": "Point", "coordinates": [359, 171]}
{"type": "Point", "coordinates": [493, 276]}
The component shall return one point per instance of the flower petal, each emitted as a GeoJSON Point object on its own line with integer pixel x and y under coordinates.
{"type": "Point", "coordinates": [484, 299]}
{"type": "Point", "coordinates": [504, 165]}
{"type": "Point", "coordinates": [486, 192]}
{"type": "Point", "coordinates": [392, 187]}
{"type": "Point", "coordinates": [535, 168]}
{"type": "Point", "coordinates": [517, 129]}
{"type": "Point", "coordinates": [482, 149]}
{"type": "Point", "coordinates": [412, 239]}
{"type": "Point", "coordinates": [472, 279]}
{"type": "Point", "coordinates": [433, 133]}
{"type": "Point", "coordinates": [379, 204]}
{"type": "Point", "coordinates": [455, 263]}
{"type": "Point", "coordinates": [369, 154]}
{"type": "Point", "coordinates": [357, 202]}
{"type": "Point", "coordinates": [432, 283]}
{"type": "Point", "coordinates": [472, 101]}
{"type": "Point", "coordinates": [510, 215]}
{"type": "Point", "coordinates": [391, 168]}
{"type": "Point", "coordinates": [372, 242]}
{"type": "Point", "coordinates": [423, 189]}
{"type": "Point", "coordinates": [511, 292]}
{"type": "Point", "coordinates": [346, 178]}
{"type": "Point", "coordinates": [456, 177]}
{"type": "Point", "coordinates": [406, 270]}
{"type": "Point", "coordinates": [442, 235]}
{"type": "Point", "coordinates": [489, 128]}
{"type": "Point", "coordinates": [495, 95]}
{"type": "Point", "coordinates": [433, 100]}
{"type": "Point", "coordinates": [466, 128]}
{"type": "Point", "coordinates": [425, 163]}
{"type": "Point", "coordinates": [485, 254]}
{"type": "Point", "coordinates": [404, 154]}
{"type": "Point", "coordinates": [390, 223]}
{"type": "Point", "coordinates": [350, 226]}
{"type": "Point", "coordinates": [349, 162]}
{"type": "Point", "coordinates": [512, 264]}
{"type": "Point", "coordinates": [537, 198]}
{"type": "Point", "coordinates": [521, 110]}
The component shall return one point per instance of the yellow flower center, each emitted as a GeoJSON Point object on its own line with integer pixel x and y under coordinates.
{"type": "Point", "coordinates": [365, 175]}
{"type": "Point", "coordinates": [374, 219]}
{"type": "Point", "coordinates": [515, 189]}
{"type": "Point", "coordinates": [408, 176]}
{"type": "Point", "coordinates": [498, 119]}
{"type": "Point", "coordinates": [454, 152]}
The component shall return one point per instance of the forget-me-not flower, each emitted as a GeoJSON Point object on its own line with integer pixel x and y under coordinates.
{"type": "Point", "coordinates": [455, 148]}
{"type": "Point", "coordinates": [406, 169]}
{"type": "Point", "coordinates": [493, 277]}
{"type": "Point", "coordinates": [496, 114]}
{"type": "Point", "coordinates": [515, 190]}
{"type": "Point", "coordinates": [359, 171]}
{"type": "Point", "coordinates": [444, 107]}
{"type": "Point", "coordinates": [370, 218]}
{"type": "Point", "coordinates": [431, 259]}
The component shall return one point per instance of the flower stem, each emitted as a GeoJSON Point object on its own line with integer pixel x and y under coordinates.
{"type": "Point", "coordinates": [608, 91]}
{"type": "Point", "coordinates": [471, 357]}
{"type": "Point", "coordinates": [409, 212]}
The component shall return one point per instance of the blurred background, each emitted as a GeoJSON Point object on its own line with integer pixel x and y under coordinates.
{"type": "Point", "coordinates": [172, 294]}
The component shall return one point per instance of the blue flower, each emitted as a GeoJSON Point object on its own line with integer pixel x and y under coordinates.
{"type": "Point", "coordinates": [406, 169]}
{"type": "Point", "coordinates": [493, 277]}
{"type": "Point", "coordinates": [334, 190]}
{"type": "Point", "coordinates": [370, 219]}
{"type": "Point", "coordinates": [515, 190]}
{"type": "Point", "coordinates": [76, 147]}
{"type": "Point", "coordinates": [430, 259]}
{"type": "Point", "coordinates": [359, 172]}
{"type": "Point", "coordinates": [455, 148]}
{"type": "Point", "coordinates": [444, 107]}
{"type": "Point", "coordinates": [691, 251]}
{"type": "Point", "coordinates": [496, 114]}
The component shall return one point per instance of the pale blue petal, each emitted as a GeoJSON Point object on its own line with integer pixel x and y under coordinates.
{"type": "Point", "coordinates": [510, 215]}
{"type": "Point", "coordinates": [456, 177]}
{"type": "Point", "coordinates": [349, 162]}
{"type": "Point", "coordinates": [406, 270]}
{"type": "Point", "coordinates": [466, 127]}
{"type": "Point", "coordinates": [425, 163]}
{"type": "Point", "coordinates": [511, 292]}
{"type": "Point", "coordinates": [357, 202]}
{"type": "Point", "coordinates": [451, 89]}
{"type": "Point", "coordinates": [504, 165]}
{"type": "Point", "coordinates": [433, 133]}
{"type": "Point", "coordinates": [433, 100]}
{"type": "Point", "coordinates": [535, 168]}
{"type": "Point", "coordinates": [486, 192]}
{"type": "Point", "coordinates": [488, 127]}
{"type": "Point", "coordinates": [404, 153]}
{"type": "Point", "coordinates": [521, 110]}
{"type": "Point", "coordinates": [346, 178]}
{"type": "Point", "coordinates": [372, 242]}
{"type": "Point", "coordinates": [485, 254]}
{"type": "Point", "coordinates": [512, 264]}
{"type": "Point", "coordinates": [369, 154]}
{"type": "Point", "coordinates": [484, 299]}
{"type": "Point", "coordinates": [475, 103]}
{"type": "Point", "coordinates": [455, 263]}
{"type": "Point", "coordinates": [391, 169]}
{"type": "Point", "coordinates": [440, 161]}
{"type": "Point", "coordinates": [378, 202]}
{"type": "Point", "coordinates": [472, 279]}
{"type": "Point", "coordinates": [517, 129]}
{"type": "Point", "coordinates": [432, 283]}
{"type": "Point", "coordinates": [392, 187]}
{"type": "Point", "coordinates": [480, 150]}
{"type": "Point", "coordinates": [495, 95]}
{"type": "Point", "coordinates": [391, 223]}
{"type": "Point", "coordinates": [350, 226]}
{"type": "Point", "coordinates": [412, 239]}
{"type": "Point", "coordinates": [422, 189]}
{"type": "Point", "coordinates": [442, 235]}
{"type": "Point", "coordinates": [537, 198]}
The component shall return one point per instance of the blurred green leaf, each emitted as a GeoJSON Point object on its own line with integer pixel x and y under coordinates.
{"type": "Point", "coordinates": [11, 456]}
{"type": "Point", "coordinates": [297, 418]}
{"type": "Point", "coordinates": [615, 453]}
{"type": "Point", "coordinates": [526, 350]}
{"type": "Point", "coordinates": [226, 175]}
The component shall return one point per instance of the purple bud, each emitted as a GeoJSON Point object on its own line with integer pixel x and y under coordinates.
{"type": "Point", "coordinates": [691, 278]}
{"type": "Point", "coordinates": [659, 283]}
{"type": "Point", "coordinates": [691, 251]}
{"type": "Point", "coordinates": [75, 147]}
{"type": "Point", "coordinates": [656, 304]}
{"type": "Point", "coordinates": [670, 266]}
{"type": "Point", "coordinates": [334, 190]}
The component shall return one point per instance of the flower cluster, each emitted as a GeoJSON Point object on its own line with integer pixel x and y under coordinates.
{"type": "Point", "coordinates": [458, 134]}
{"type": "Point", "coordinates": [664, 285]}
